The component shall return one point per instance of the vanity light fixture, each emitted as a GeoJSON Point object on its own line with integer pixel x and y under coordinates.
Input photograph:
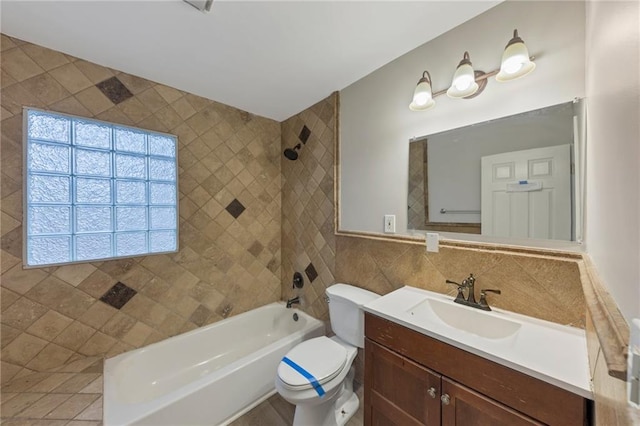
{"type": "Point", "coordinates": [468, 83]}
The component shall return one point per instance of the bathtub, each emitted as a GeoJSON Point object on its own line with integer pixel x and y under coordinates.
{"type": "Point", "coordinates": [208, 376]}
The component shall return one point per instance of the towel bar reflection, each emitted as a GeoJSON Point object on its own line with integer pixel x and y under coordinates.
{"type": "Point", "coordinates": [447, 211]}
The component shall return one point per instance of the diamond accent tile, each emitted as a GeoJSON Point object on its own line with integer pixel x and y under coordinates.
{"type": "Point", "coordinates": [311, 272]}
{"type": "Point", "coordinates": [118, 295]}
{"type": "Point", "coordinates": [304, 134]}
{"type": "Point", "coordinates": [114, 90]}
{"type": "Point", "coordinates": [235, 208]}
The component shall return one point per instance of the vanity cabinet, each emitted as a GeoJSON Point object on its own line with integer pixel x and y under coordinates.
{"type": "Point", "coordinates": [413, 379]}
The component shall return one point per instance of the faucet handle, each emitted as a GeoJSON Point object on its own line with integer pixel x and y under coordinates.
{"type": "Point", "coordinates": [483, 298]}
{"type": "Point", "coordinates": [461, 287]}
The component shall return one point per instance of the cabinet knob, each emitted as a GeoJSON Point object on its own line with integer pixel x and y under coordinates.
{"type": "Point", "coordinates": [445, 399]}
{"type": "Point", "coordinates": [432, 392]}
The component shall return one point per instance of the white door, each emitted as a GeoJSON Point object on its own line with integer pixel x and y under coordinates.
{"type": "Point", "coordinates": [527, 194]}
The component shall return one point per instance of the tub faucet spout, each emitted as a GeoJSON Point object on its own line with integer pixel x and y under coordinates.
{"type": "Point", "coordinates": [294, 301]}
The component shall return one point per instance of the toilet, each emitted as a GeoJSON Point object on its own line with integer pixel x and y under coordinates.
{"type": "Point", "coordinates": [317, 375]}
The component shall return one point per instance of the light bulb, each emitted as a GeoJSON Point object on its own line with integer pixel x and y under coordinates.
{"type": "Point", "coordinates": [463, 82]}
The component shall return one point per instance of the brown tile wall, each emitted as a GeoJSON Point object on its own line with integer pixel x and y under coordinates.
{"type": "Point", "coordinates": [226, 265]}
{"type": "Point", "coordinates": [541, 287]}
{"type": "Point", "coordinates": [308, 240]}
{"type": "Point", "coordinates": [416, 198]}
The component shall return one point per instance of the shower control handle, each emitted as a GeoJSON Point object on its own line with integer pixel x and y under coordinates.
{"type": "Point", "coordinates": [298, 281]}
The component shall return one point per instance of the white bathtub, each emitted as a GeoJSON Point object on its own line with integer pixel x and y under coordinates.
{"type": "Point", "coordinates": [208, 376]}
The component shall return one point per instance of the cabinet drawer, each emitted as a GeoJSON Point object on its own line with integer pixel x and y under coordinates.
{"type": "Point", "coordinates": [535, 398]}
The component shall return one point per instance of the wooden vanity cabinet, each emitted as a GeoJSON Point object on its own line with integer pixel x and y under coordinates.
{"type": "Point", "coordinates": [412, 379]}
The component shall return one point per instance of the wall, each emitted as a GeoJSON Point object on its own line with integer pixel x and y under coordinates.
{"type": "Point", "coordinates": [613, 148]}
{"type": "Point", "coordinates": [531, 284]}
{"type": "Point", "coordinates": [376, 123]}
{"type": "Point", "coordinates": [613, 181]}
{"type": "Point", "coordinates": [308, 240]}
{"type": "Point", "coordinates": [229, 258]}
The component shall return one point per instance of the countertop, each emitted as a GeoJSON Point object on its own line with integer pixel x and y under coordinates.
{"type": "Point", "coordinates": [551, 352]}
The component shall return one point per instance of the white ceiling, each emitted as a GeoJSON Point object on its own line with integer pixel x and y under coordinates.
{"type": "Point", "coordinates": [271, 58]}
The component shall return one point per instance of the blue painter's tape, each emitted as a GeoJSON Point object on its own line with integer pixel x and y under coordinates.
{"type": "Point", "coordinates": [306, 375]}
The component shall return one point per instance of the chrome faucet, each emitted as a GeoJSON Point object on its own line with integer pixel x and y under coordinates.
{"type": "Point", "coordinates": [294, 301]}
{"type": "Point", "coordinates": [470, 300]}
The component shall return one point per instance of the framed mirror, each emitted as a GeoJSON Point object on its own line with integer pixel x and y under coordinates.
{"type": "Point", "coordinates": [514, 177]}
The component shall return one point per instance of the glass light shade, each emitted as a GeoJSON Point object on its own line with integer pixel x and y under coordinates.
{"type": "Point", "coordinates": [464, 81]}
{"type": "Point", "coordinates": [422, 96]}
{"type": "Point", "coordinates": [515, 60]}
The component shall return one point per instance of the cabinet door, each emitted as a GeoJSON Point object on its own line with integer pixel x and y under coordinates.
{"type": "Point", "coordinates": [464, 407]}
{"type": "Point", "coordinates": [398, 391]}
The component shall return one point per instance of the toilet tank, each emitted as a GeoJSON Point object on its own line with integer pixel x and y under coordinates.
{"type": "Point", "coordinates": [345, 311]}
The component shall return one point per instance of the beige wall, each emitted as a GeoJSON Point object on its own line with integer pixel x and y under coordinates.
{"type": "Point", "coordinates": [534, 285]}
{"type": "Point", "coordinates": [52, 316]}
{"type": "Point", "coordinates": [308, 240]}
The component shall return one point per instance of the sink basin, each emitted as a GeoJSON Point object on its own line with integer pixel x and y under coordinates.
{"type": "Point", "coordinates": [464, 318]}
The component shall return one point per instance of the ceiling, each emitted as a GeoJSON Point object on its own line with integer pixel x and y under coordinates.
{"type": "Point", "coordinates": [271, 58]}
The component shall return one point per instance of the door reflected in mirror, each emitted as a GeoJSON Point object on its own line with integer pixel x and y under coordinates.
{"type": "Point", "coordinates": [515, 177]}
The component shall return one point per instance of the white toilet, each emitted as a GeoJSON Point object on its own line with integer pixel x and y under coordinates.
{"type": "Point", "coordinates": [317, 375]}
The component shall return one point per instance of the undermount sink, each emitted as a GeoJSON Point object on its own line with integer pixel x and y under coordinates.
{"type": "Point", "coordinates": [464, 318]}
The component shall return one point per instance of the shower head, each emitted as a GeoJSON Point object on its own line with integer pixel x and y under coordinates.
{"type": "Point", "coordinates": [291, 154]}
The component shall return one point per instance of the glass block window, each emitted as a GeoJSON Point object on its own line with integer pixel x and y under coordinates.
{"type": "Point", "coordinates": [96, 190]}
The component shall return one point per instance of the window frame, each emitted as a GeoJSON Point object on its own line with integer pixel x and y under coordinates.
{"type": "Point", "coordinates": [113, 182]}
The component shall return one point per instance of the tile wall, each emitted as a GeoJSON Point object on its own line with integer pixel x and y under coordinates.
{"type": "Point", "coordinates": [416, 214]}
{"type": "Point", "coordinates": [308, 240]}
{"type": "Point", "coordinates": [538, 286]}
{"type": "Point", "coordinates": [230, 219]}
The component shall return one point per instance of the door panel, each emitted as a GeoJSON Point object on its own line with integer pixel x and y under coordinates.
{"type": "Point", "coordinates": [542, 213]}
{"type": "Point", "coordinates": [469, 408]}
{"type": "Point", "coordinates": [401, 386]}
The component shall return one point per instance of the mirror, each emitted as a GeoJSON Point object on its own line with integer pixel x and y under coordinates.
{"type": "Point", "coordinates": [516, 177]}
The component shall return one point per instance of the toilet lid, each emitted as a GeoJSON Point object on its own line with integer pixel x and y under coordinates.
{"type": "Point", "coordinates": [321, 358]}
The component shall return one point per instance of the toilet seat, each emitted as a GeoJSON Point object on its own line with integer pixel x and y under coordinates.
{"type": "Point", "coordinates": [321, 357]}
